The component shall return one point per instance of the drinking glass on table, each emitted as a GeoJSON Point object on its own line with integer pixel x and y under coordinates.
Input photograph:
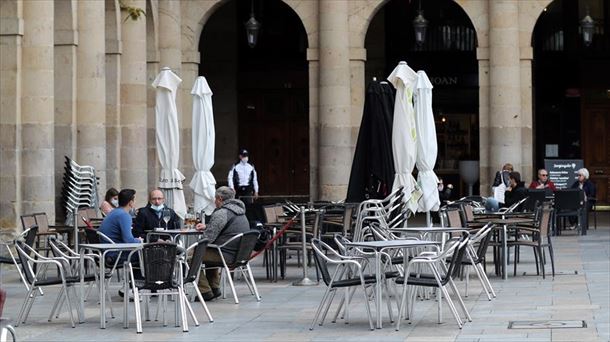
{"type": "Point", "coordinates": [167, 215]}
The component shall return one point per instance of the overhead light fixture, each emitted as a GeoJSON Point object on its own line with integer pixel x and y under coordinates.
{"type": "Point", "coordinates": [587, 25]}
{"type": "Point", "coordinates": [420, 24]}
{"type": "Point", "coordinates": [252, 27]}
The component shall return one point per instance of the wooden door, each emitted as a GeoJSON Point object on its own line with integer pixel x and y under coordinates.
{"type": "Point", "coordinates": [273, 125]}
{"type": "Point", "coordinates": [596, 148]}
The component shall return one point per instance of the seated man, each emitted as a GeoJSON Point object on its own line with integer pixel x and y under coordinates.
{"type": "Point", "coordinates": [543, 182]}
{"type": "Point", "coordinates": [151, 216]}
{"type": "Point", "coordinates": [227, 220]}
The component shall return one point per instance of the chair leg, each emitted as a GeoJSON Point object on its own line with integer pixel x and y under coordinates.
{"type": "Point", "coordinates": [138, 313]}
{"type": "Point", "coordinates": [550, 246]}
{"type": "Point", "coordinates": [57, 306]}
{"type": "Point", "coordinates": [322, 304]}
{"type": "Point", "coordinates": [536, 260]}
{"type": "Point", "coordinates": [29, 297]}
{"type": "Point", "coordinates": [183, 305]}
{"type": "Point", "coordinates": [452, 306]}
{"type": "Point", "coordinates": [69, 304]}
{"type": "Point", "coordinates": [258, 297]}
{"type": "Point", "coordinates": [457, 294]}
{"type": "Point", "coordinates": [205, 307]}
{"type": "Point", "coordinates": [368, 307]}
{"type": "Point", "coordinates": [541, 261]}
{"type": "Point", "coordinates": [228, 277]}
{"type": "Point", "coordinates": [329, 302]}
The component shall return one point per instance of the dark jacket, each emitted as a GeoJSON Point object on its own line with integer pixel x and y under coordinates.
{"type": "Point", "coordinates": [588, 187]}
{"type": "Point", "coordinates": [226, 222]}
{"type": "Point", "coordinates": [515, 195]}
{"type": "Point", "coordinates": [147, 220]}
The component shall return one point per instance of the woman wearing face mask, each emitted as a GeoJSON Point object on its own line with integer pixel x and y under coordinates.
{"type": "Point", "coordinates": [111, 201]}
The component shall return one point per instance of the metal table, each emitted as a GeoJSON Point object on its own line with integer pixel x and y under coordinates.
{"type": "Point", "coordinates": [102, 249]}
{"type": "Point", "coordinates": [378, 247]}
{"type": "Point", "coordinates": [503, 223]}
{"type": "Point", "coordinates": [174, 234]}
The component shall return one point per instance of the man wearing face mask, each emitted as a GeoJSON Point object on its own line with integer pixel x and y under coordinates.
{"type": "Point", "coordinates": [242, 178]}
{"type": "Point", "coordinates": [151, 216]}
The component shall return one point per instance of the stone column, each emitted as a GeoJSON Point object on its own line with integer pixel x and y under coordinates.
{"type": "Point", "coordinates": [314, 123]}
{"type": "Point", "coordinates": [11, 37]}
{"type": "Point", "coordinates": [134, 161]}
{"type": "Point", "coordinates": [190, 71]}
{"type": "Point", "coordinates": [113, 94]}
{"type": "Point", "coordinates": [485, 169]}
{"type": "Point", "coordinates": [37, 109]}
{"type": "Point", "coordinates": [335, 106]}
{"type": "Point", "coordinates": [91, 89]}
{"type": "Point", "coordinates": [66, 42]}
{"type": "Point", "coordinates": [505, 117]}
{"type": "Point", "coordinates": [528, 169]}
{"type": "Point", "coordinates": [358, 84]}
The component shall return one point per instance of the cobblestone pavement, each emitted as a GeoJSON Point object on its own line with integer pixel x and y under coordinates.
{"type": "Point", "coordinates": [579, 291]}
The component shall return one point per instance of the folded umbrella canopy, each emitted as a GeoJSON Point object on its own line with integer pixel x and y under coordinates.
{"type": "Point", "coordinates": [427, 147]}
{"type": "Point", "coordinates": [373, 166]}
{"type": "Point", "coordinates": [168, 140]}
{"type": "Point", "coordinates": [204, 135]}
{"type": "Point", "coordinates": [404, 134]}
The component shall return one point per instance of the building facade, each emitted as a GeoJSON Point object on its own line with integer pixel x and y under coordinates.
{"type": "Point", "coordinates": [76, 81]}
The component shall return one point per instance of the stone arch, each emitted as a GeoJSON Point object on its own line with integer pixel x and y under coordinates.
{"type": "Point", "coordinates": [196, 15]}
{"type": "Point", "coordinates": [529, 13]}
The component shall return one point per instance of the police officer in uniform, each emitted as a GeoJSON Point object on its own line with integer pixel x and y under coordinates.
{"type": "Point", "coordinates": [242, 178]}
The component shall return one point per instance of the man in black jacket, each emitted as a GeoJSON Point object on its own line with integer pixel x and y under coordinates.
{"type": "Point", "coordinates": [227, 220]}
{"type": "Point", "coordinates": [151, 216]}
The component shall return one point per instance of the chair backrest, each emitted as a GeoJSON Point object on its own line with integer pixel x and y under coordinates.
{"type": "Point", "coordinates": [454, 218]}
{"type": "Point", "coordinates": [91, 236]}
{"type": "Point", "coordinates": [320, 249]}
{"type": "Point", "coordinates": [456, 258]}
{"type": "Point", "coordinates": [568, 199]}
{"type": "Point", "coordinates": [468, 212]}
{"type": "Point", "coordinates": [24, 252]}
{"type": "Point", "coordinates": [270, 213]}
{"type": "Point", "coordinates": [42, 222]}
{"type": "Point", "coordinates": [29, 236]}
{"type": "Point", "coordinates": [28, 221]}
{"type": "Point", "coordinates": [545, 222]}
{"type": "Point", "coordinates": [159, 260]}
{"type": "Point", "coordinates": [196, 260]}
{"type": "Point", "coordinates": [482, 238]}
{"type": "Point", "coordinates": [535, 198]}
{"type": "Point", "coordinates": [245, 247]}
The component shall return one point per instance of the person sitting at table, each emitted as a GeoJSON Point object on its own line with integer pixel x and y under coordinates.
{"type": "Point", "coordinates": [501, 182]}
{"type": "Point", "coordinates": [588, 187]}
{"type": "Point", "coordinates": [227, 220]}
{"type": "Point", "coordinates": [117, 227]}
{"type": "Point", "coordinates": [151, 216]}
{"type": "Point", "coordinates": [543, 182]}
{"type": "Point", "coordinates": [111, 201]}
{"type": "Point", "coordinates": [515, 191]}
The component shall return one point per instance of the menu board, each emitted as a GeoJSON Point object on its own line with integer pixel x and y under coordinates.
{"type": "Point", "coordinates": [562, 172]}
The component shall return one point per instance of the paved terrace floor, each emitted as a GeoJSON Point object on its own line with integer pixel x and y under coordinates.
{"type": "Point", "coordinates": [579, 291]}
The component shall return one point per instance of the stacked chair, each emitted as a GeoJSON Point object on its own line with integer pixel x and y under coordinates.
{"type": "Point", "coordinates": [79, 188]}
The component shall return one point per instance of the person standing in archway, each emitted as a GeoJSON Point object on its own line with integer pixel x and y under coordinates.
{"type": "Point", "coordinates": [242, 178]}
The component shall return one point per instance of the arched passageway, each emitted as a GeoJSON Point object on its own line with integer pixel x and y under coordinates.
{"type": "Point", "coordinates": [260, 93]}
{"type": "Point", "coordinates": [448, 55]}
{"type": "Point", "coordinates": [571, 84]}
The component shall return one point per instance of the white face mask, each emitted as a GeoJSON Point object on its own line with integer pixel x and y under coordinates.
{"type": "Point", "coordinates": [156, 207]}
{"type": "Point", "coordinates": [114, 202]}
{"type": "Point", "coordinates": [244, 159]}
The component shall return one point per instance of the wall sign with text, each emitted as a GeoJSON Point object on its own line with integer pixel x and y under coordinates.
{"type": "Point", "coordinates": [562, 172]}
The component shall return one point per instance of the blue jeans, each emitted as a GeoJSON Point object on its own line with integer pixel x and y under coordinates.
{"type": "Point", "coordinates": [491, 204]}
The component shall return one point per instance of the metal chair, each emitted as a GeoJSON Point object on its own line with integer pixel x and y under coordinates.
{"type": "Point", "coordinates": [540, 238]}
{"type": "Point", "coordinates": [440, 276]}
{"type": "Point", "coordinates": [244, 243]}
{"type": "Point", "coordinates": [159, 261]}
{"type": "Point", "coordinates": [36, 280]}
{"type": "Point", "coordinates": [569, 203]}
{"type": "Point", "coordinates": [199, 248]}
{"type": "Point", "coordinates": [28, 236]}
{"type": "Point", "coordinates": [341, 278]}
{"type": "Point", "coordinates": [475, 257]}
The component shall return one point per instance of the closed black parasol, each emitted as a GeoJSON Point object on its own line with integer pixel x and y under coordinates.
{"type": "Point", "coordinates": [373, 166]}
